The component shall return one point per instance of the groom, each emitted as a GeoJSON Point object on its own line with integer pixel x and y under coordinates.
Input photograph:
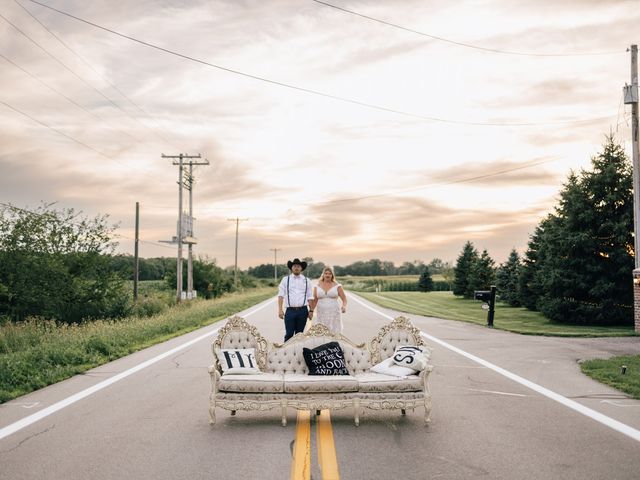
{"type": "Point", "coordinates": [296, 293]}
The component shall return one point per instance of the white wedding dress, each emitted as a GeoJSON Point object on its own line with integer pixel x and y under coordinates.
{"type": "Point", "coordinates": [328, 309]}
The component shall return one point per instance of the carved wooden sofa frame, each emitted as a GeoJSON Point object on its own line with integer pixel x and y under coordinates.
{"type": "Point", "coordinates": [284, 379]}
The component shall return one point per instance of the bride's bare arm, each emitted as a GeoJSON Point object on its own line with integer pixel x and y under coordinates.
{"type": "Point", "coordinates": [343, 297]}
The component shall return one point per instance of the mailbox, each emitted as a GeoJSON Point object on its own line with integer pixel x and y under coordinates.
{"type": "Point", "coordinates": [484, 295]}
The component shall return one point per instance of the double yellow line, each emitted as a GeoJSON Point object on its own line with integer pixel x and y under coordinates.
{"type": "Point", "coordinates": [301, 465]}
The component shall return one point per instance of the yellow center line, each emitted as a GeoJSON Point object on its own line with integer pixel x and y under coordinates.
{"type": "Point", "coordinates": [327, 448]}
{"type": "Point", "coordinates": [301, 466]}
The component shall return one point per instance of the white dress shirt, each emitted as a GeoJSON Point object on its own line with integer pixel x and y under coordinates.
{"type": "Point", "coordinates": [297, 285]}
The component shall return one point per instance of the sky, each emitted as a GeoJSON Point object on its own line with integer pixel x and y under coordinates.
{"type": "Point", "coordinates": [341, 131]}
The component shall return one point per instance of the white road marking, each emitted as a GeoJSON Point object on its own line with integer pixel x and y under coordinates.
{"type": "Point", "coordinates": [618, 404]}
{"type": "Point", "coordinates": [45, 412]}
{"type": "Point", "coordinates": [588, 412]}
{"type": "Point", "coordinates": [443, 365]}
{"type": "Point", "coordinates": [23, 405]}
{"type": "Point", "coordinates": [496, 392]}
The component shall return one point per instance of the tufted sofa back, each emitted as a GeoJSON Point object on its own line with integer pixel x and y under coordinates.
{"type": "Point", "coordinates": [399, 332]}
{"type": "Point", "coordinates": [289, 358]}
{"type": "Point", "coordinates": [239, 339]}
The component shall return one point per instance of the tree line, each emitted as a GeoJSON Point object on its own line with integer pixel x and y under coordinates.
{"type": "Point", "coordinates": [369, 268]}
{"type": "Point", "coordinates": [579, 260]}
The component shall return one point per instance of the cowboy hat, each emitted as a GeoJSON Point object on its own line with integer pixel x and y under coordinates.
{"type": "Point", "coordinates": [296, 261]}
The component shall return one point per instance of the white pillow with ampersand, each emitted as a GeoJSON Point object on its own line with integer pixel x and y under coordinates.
{"type": "Point", "coordinates": [411, 356]}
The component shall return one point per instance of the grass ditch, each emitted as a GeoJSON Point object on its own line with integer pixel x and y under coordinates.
{"type": "Point", "coordinates": [610, 372]}
{"type": "Point", "coordinates": [37, 353]}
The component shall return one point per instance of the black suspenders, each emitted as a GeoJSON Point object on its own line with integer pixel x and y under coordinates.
{"type": "Point", "coordinates": [305, 291]}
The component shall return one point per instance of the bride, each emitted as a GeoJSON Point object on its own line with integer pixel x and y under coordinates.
{"type": "Point", "coordinates": [325, 295]}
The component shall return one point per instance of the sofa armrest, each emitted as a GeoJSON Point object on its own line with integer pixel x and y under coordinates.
{"type": "Point", "coordinates": [215, 380]}
{"type": "Point", "coordinates": [424, 377]}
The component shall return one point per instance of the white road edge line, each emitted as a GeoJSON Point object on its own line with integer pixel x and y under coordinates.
{"type": "Point", "coordinates": [597, 416]}
{"type": "Point", "coordinates": [45, 412]}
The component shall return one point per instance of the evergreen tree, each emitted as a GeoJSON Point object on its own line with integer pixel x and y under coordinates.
{"type": "Point", "coordinates": [529, 283]}
{"type": "Point", "coordinates": [483, 274]}
{"type": "Point", "coordinates": [425, 284]}
{"type": "Point", "coordinates": [507, 279]}
{"type": "Point", "coordinates": [585, 255]}
{"type": "Point", "coordinates": [462, 270]}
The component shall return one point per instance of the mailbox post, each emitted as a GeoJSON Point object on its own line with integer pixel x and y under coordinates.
{"type": "Point", "coordinates": [488, 296]}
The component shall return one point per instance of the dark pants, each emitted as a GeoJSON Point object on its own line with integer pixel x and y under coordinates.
{"type": "Point", "coordinates": [294, 321]}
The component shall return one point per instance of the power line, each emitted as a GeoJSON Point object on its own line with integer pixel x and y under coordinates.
{"type": "Point", "coordinates": [63, 43]}
{"type": "Point", "coordinates": [435, 184]}
{"type": "Point", "coordinates": [59, 61]}
{"type": "Point", "coordinates": [534, 163]}
{"type": "Point", "coordinates": [317, 92]}
{"type": "Point", "coordinates": [79, 142]}
{"type": "Point", "coordinates": [466, 45]}
{"type": "Point", "coordinates": [73, 139]}
{"type": "Point", "coordinates": [72, 72]}
{"type": "Point", "coordinates": [70, 100]}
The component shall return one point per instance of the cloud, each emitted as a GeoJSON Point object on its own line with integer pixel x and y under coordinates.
{"type": "Point", "coordinates": [224, 180]}
{"type": "Point", "coordinates": [397, 229]}
{"type": "Point", "coordinates": [495, 173]}
{"type": "Point", "coordinates": [367, 53]}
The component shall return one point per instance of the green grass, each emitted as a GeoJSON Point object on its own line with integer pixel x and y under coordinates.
{"type": "Point", "coordinates": [391, 278]}
{"type": "Point", "coordinates": [609, 372]}
{"type": "Point", "coordinates": [37, 353]}
{"type": "Point", "coordinates": [518, 320]}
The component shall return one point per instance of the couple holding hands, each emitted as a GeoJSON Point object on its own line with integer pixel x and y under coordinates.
{"type": "Point", "coordinates": [298, 299]}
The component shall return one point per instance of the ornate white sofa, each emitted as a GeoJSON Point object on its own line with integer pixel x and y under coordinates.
{"type": "Point", "coordinates": [284, 381]}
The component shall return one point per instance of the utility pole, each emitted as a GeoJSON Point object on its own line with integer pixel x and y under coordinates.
{"type": "Point", "coordinates": [275, 263]}
{"type": "Point", "coordinates": [190, 255]}
{"type": "Point", "coordinates": [185, 235]}
{"type": "Point", "coordinates": [136, 264]}
{"type": "Point", "coordinates": [631, 97]}
{"type": "Point", "coordinates": [237, 220]}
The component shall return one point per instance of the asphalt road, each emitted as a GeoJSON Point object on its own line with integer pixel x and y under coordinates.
{"type": "Point", "coordinates": [152, 422]}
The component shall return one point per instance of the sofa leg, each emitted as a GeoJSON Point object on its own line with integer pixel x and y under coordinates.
{"type": "Point", "coordinates": [403, 411]}
{"type": "Point", "coordinates": [356, 411]}
{"type": "Point", "coordinates": [233, 412]}
{"type": "Point", "coordinates": [284, 413]}
{"type": "Point", "coordinates": [427, 411]}
{"type": "Point", "coordinates": [318, 412]}
{"type": "Point", "coordinates": [212, 415]}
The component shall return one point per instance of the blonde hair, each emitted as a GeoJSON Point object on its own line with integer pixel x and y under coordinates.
{"type": "Point", "coordinates": [333, 275]}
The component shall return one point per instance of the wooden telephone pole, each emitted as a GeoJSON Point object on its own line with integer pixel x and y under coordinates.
{"type": "Point", "coordinates": [185, 228]}
{"type": "Point", "coordinates": [237, 220]}
{"type": "Point", "coordinates": [631, 98]}
{"type": "Point", "coordinates": [275, 263]}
